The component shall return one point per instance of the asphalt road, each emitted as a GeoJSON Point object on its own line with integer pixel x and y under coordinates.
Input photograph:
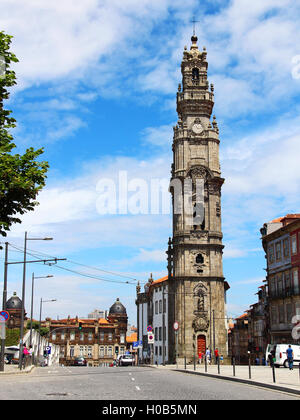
{"type": "Point", "coordinates": [128, 384]}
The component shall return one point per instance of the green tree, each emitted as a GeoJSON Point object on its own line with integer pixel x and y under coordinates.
{"type": "Point", "coordinates": [21, 176]}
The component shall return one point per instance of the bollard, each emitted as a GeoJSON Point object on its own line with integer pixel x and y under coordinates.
{"type": "Point", "coordinates": [249, 367]}
{"type": "Point", "coordinates": [273, 371]}
{"type": "Point", "coordinates": [218, 366]}
{"type": "Point", "coordinates": [233, 365]}
{"type": "Point", "coordinates": [205, 364]}
{"type": "Point", "coordinates": [184, 362]}
{"type": "Point", "coordinates": [194, 363]}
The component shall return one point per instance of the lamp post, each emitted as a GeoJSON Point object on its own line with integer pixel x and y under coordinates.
{"type": "Point", "coordinates": [23, 294]}
{"type": "Point", "coordinates": [42, 301]}
{"type": "Point", "coordinates": [32, 288]}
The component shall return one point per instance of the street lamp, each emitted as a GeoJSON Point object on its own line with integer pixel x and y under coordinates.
{"type": "Point", "coordinates": [32, 287]}
{"type": "Point", "coordinates": [42, 301]}
{"type": "Point", "coordinates": [23, 294]}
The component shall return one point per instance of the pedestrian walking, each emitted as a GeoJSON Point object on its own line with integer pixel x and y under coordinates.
{"type": "Point", "coordinates": [221, 359]}
{"type": "Point", "coordinates": [290, 356]}
{"type": "Point", "coordinates": [25, 355]}
{"type": "Point", "coordinates": [200, 355]}
{"type": "Point", "coordinates": [216, 355]}
{"type": "Point", "coordinates": [207, 355]}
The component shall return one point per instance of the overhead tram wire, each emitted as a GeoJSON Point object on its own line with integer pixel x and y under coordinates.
{"type": "Point", "coordinates": [87, 266]}
{"type": "Point", "coordinates": [37, 255]}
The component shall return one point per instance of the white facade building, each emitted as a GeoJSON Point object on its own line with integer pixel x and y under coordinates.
{"type": "Point", "coordinates": [152, 311]}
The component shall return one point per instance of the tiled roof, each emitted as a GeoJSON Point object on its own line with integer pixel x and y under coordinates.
{"type": "Point", "coordinates": [155, 282]}
{"type": "Point", "coordinates": [287, 216]}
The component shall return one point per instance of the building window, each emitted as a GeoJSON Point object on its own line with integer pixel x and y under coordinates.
{"type": "Point", "coordinates": [101, 336]}
{"type": "Point", "coordinates": [110, 336]}
{"type": "Point", "coordinates": [122, 350]}
{"type": "Point", "coordinates": [156, 307]}
{"type": "Point", "coordinates": [62, 335]}
{"type": "Point", "coordinates": [101, 351]}
{"type": "Point", "coordinates": [160, 306]}
{"type": "Point", "coordinates": [281, 314]}
{"type": "Point", "coordinates": [122, 338]}
{"type": "Point", "coordinates": [90, 336]}
{"type": "Point", "coordinates": [72, 335]}
{"type": "Point", "coordinates": [54, 336]}
{"type": "Point", "coordinates": [294, 244]}
{"type": "Point", "coordinates": [155, 334]}
{"type": "Point", "coordinates": [90, 351]}
{"type": "Point", "coordinates": [279, 285]}
{"type": "Point", "coordinates": [296, 281]}
{"type": "Point", "coordinates": [109, 351]}
{"type": "Point", "coordinates": [289, 313]}
{"type": "Point", "coordinates": [81, 350]}
{"type": "Point", "coordinates": [160, 333]}
{"type": "Point", "coordinates": [271, 254]}
{"type": "Point", "coordinates": [165, 305]}
{"type": "Point", "coordinates": [71, 351]}
{"type": "Point", "coordinates": [272, 287]}
{"type": "Point", "coordinates": [278, 251]}
{"type": "Point", "coordinates": [273, 315]}
{"type": "Point", "coordinates": [286, 248]}
{"type": "Point", "coordinates": [61, 351]}
{"type": "Point", "coordinates": [81, 337]}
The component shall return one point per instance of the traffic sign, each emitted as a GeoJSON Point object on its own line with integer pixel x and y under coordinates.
{"type": "Point", "coordinates": [137, 344]}
{"type": "Point", "coordinates": [150, 338]}
{"type": "Point", "coordinates": [176, 326]}
{"type": "Point", "coordinates": [4, 316]}
{"type": "Point", "coordinates": [149, 328]}
{"type": "Point", "coordinates": [48, 349]}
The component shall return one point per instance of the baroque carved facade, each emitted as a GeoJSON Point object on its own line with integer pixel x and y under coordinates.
{"type": "Point", "coordinates": [198, 288]}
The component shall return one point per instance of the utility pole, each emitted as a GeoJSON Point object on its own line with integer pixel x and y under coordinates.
{"type": "Point", "coordinates": [32, 288]}
{"type": "Point", "coordinates": [24, 262]}
{"type": "Point", "coordinates": [4, 307]}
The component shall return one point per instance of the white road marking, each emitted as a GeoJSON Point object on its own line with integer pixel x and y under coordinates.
{"type": "Point", "coordinates": [138, 388]}
{"type": "Point", "coordinates": [132, 379]}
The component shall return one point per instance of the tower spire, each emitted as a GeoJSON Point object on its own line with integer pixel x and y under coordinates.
{"type": "Point", "coordinates": [194, 21]}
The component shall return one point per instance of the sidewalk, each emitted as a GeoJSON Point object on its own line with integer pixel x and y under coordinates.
{"type": "Point", "coordinates": [285, 380]}
{"type": "Point", "coordinates": [14, 370]}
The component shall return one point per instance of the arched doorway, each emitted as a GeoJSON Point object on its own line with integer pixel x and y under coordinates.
{"type": "Point", "coordinates": [201, 344]}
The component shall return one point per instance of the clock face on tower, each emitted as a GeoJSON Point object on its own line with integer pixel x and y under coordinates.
{"type": "Point", "coordinates": [197, 128]}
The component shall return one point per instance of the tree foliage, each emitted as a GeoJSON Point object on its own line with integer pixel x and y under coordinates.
{"type": "Point", "coordinates": [21, 175]}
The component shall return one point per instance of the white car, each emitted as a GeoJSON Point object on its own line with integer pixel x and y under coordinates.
{"type": "Point", "coordinates": [126, 360]}
{"type": "Point", "coordinates": [281, 356]}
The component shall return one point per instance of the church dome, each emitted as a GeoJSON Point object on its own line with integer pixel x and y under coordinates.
{"type": "Point", "coordinates": [117, 308]}
{"type": "Point", "coordinates": [14, 302]}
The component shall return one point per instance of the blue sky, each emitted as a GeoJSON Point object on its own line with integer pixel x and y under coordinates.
{"type": "Point", "coordinates": [97, 82]}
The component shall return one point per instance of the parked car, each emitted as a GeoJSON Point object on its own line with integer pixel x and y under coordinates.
{"type": "Point", "coordinates": [126, 360]}
{"type": "Point", "coordinates": [280, 354]}
{"type": "Point", "coordinates": [79, 361]}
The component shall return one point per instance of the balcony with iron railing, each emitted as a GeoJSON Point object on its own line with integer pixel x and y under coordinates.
{"type": "Point", "coordinates": [284, 293]}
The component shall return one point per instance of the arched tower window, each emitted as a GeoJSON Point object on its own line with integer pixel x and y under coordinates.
{"type": "Point", "coordinates": [195, 73]}
{"type": "Point", "coordinates": [199, 259]}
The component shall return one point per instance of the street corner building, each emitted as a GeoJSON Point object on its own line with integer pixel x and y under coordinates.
{"type": "Point", "coordinates": [98, 340]}
{"type": "Point", "coordinates": [196, 287]}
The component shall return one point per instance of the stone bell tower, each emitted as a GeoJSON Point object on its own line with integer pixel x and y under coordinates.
{"type": "Point", "coordinates": [197, 288]}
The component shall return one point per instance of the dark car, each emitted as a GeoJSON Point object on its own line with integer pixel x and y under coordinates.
{"type": "Point", "coordinates": [80, 361]}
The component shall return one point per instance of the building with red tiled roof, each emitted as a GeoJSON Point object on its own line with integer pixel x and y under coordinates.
{"type": "Point", "coordinates": [282, 253]}
{"type": "Point", "coordinates": [99, 341]}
